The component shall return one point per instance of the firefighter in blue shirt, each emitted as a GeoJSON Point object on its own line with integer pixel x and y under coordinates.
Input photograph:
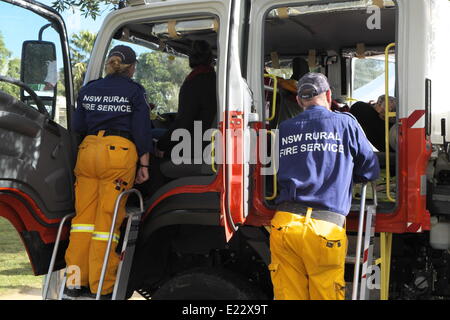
{"type": "Point", "coordinates": [320, 153]}
{"type": "Point", "coordinates": [114, 116]}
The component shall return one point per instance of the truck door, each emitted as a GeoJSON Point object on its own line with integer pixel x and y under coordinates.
{"type": "Point", "coordinates": [236, 130]}
{"type": "Point", "coordinates": [37, 153]}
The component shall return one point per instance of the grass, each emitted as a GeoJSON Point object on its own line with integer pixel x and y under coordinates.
{"type": "Point", "coordinates": [15, 267]}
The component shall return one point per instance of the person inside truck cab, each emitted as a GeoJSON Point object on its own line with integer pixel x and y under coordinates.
{"type": "Point", "coordinates": [197, 105]}
{"type": "Point", "coordinates": [320, 154]}
{"type": "Point", "coordinates": [197, 100]}
{"type": "Point", "coordinates": [113, 115]}
{"type": "Point", "coordinates": [371, 118]}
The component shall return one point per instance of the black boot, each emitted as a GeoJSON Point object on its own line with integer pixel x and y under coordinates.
{"type": "Point", "coordinates": [74, 293]}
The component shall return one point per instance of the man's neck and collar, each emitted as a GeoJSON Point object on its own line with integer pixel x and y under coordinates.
{"type": "Point", "coordinates": [316, 107]}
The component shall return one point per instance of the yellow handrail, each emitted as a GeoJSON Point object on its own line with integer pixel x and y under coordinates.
{"type": "Point", "coordinates": [388, 114]}
{"type": "Point", "coordinates": [275, 187]}
{"type": "Point", "coordinates": [350, 99]}
{"type": "Point", "coordinates": [213, 151]}
{"type": "Point", "coordinates": [275, 91]}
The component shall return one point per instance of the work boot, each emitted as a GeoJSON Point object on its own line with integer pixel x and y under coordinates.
{"type": "Point", "coordinates": [74, 293]}
{"type": "Point", "coordinates": [90, 295]}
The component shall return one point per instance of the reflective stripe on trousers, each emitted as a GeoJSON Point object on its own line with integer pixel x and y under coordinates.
{"type": "Point", "coordinates": [104, 236]}
{"type": "Point", "coordinates": [82, 228]}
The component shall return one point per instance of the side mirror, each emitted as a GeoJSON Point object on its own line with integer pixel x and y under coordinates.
{"type": "Point", "coordinates": [38, 71]}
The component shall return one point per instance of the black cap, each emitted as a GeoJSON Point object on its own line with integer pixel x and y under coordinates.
{"type": "Point", "coordinates": [312, 84]}
{"type": "Point", "coordinates": [127, 54]}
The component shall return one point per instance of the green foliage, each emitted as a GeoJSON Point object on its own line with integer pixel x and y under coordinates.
{"type": "Point", "coordinates": [89, 8]}
{"type": "Point", "coordinates": [4, 53]}
{"type": "Point", "coordinates": [162, 76]}
{"type": "Point", "coordinates": [81, 45]}
{"type": "Point", "coordinates": [8, 67]}
{"type": "Point", "coordinates": [13, 72]}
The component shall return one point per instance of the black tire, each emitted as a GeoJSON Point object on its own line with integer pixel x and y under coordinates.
{"type": "Point", "coordinates": [207, 284]}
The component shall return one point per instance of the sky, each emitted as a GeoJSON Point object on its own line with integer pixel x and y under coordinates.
{"type": "Point", "coordinates": [17, 25]}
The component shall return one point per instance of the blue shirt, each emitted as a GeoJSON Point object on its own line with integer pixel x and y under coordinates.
{"type": "Point", "coordinates": [320, 153]}
{"type": "Point", "coordinates": [115, 103]}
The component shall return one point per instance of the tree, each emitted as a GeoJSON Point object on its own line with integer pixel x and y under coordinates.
{"type": "Point", "coordinates": [81, 45]}
{"type": "Point", "coordinates": [87, 7]}
{"type": "Point", "coordinates": [10, 68]}
{"type": "Point", "coordinates": [4, 54]}
{"type": "Point", "coordinates": [162, 76]}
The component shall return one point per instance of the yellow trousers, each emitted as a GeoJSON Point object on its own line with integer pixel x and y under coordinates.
{"type": "Point", "coordinates": [308, 258]}
{"type": "Point", "coordinates": [105, 167]}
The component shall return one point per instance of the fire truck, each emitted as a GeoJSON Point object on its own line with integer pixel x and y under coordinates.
{"type": "Point", "coordinates": [204, 234]}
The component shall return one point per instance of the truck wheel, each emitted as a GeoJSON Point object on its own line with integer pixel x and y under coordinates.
{"type": "Point", "coordinates": [207, 284]}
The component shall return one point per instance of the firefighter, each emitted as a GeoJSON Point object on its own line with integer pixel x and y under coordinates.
{"type": "Point", "coordinates": [113, 115]}
{"type": "Point", "coordinates": [321, 152]}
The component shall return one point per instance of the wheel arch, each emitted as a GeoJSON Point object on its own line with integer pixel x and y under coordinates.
{"type": "Point", "coordinates": [37, 236]}
{"type": "Point", "coordinates": [254, 235]}
{"type": "Point", "coordinates": [191, 232]}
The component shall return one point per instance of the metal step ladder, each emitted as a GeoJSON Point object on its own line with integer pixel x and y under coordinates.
{"type": "Point", "coordinates": [126, 254]}
{"type": "Point", "coordinates": [367, 214]}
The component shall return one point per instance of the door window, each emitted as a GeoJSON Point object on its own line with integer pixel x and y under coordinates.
{"type": "Point", "coordinates": [163, 58]}
{"type": "Point", "coordinates": [34, 57]}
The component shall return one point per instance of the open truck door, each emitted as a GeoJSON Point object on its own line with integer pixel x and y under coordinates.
{"type": "Point", "coordinates": [37, 154]}
{"type": "Point", "coordinates": [235, 130]}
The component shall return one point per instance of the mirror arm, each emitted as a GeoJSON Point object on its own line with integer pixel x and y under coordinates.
{"type": "Point", "coordinates": [41, 31]}
{"type": "Point", "coordinates": [39, 103]}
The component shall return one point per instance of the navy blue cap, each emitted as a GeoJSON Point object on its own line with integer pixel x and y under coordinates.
{"type": "Point", "coordinates": [312, 84]}
{"type": "Point", "coordinates": [127, 54]}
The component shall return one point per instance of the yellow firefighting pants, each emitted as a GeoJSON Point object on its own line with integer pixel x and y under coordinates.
{"type": "Point", "coordinates": [308, 258]}
{"type": "Point", "coordinates": [105, 167]}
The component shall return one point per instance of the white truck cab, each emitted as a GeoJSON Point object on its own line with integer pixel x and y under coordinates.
{"type": "Point", "coordinates": [208, 221]}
